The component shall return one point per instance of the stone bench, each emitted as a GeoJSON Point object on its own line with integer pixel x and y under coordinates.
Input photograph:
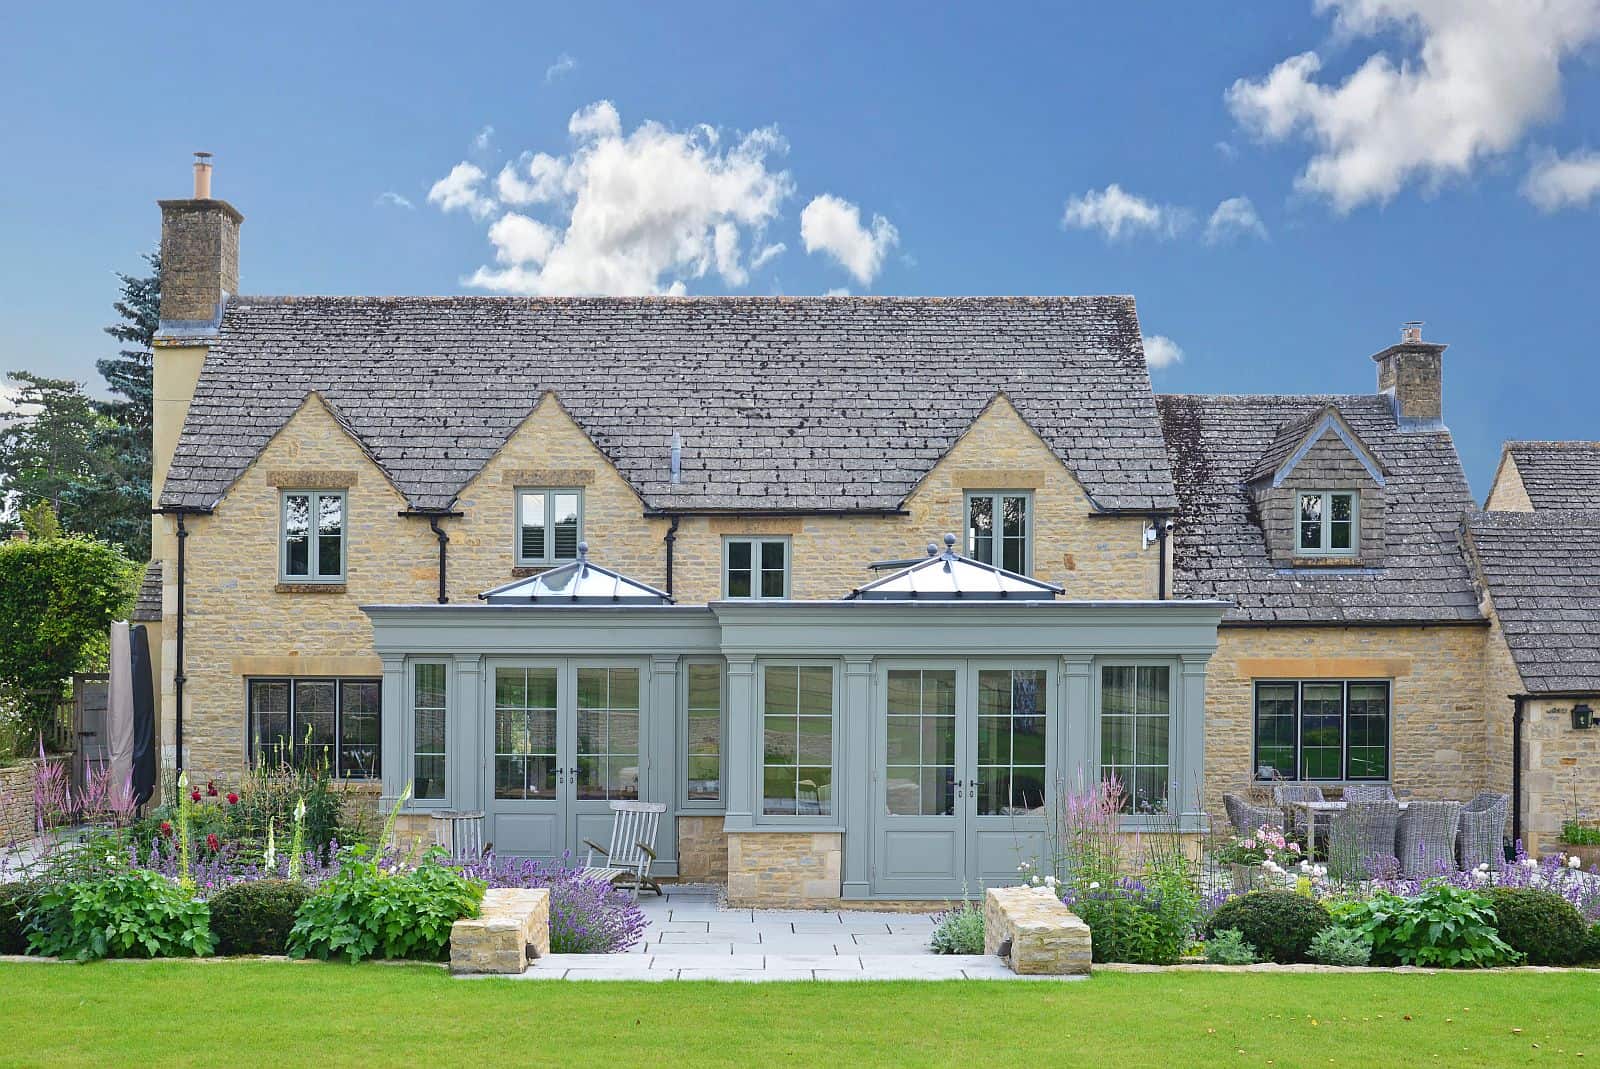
{"type": "Point", "coordinates": [512, 926]}
{"type": "Point", "coordinates": [1034, 932]}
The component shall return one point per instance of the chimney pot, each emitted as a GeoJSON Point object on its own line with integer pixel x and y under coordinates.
{"type": "Point", "coordinates": [1411, 331]}
{"type": "Point", "coordinates": [202, 176]}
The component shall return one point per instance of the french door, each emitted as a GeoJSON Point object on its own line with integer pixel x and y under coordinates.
{"type": "Point", "coordinates": [563, 741]}
{"type": "Point", "coordinates": [962, 770]}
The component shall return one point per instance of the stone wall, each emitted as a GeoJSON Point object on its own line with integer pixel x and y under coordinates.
{"type": "Point", "coordinates": [1508, 494]}
{"type": "Point", "coordinates": [1500, 680]}
{"type": "Point", "coordinates": [1438, 724]}
{"type": "Point", "coordinates": [1561, 771]}
{"type": "Point", "coordinates": [1035, 932]}
{"type": "Point", "coordinates": [18, 820]}
{"type": "Point", "coordinates": [702, 848]}
{"type": "Point", "coordinates": [512, 926]}
{"type": "Point", "coordinates": [784, 870]}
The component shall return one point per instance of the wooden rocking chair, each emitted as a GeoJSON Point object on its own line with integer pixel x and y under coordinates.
{"type": "Point", "coordinates": [633, 847]}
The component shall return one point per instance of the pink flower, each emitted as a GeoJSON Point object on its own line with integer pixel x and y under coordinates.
{"type": "Point", "coordinates": [213, 843]}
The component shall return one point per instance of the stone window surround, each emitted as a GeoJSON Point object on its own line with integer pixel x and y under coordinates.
{"type": "Point", "coordinates": [756, 541]}
{"type": "Point", "coordinates": [1344, 728]}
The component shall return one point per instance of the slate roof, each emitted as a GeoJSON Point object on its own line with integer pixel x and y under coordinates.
{"type": "Point", "coordinates": [147, 607]}
{"type": "Point", "coordinates": [782, 403]}
{"type": "Point", "coordinates": [1543, 574]}
{"type": "Point", "coordinates": [1220, 551]}
{"type": "Point", "coordinates": [1559, 475]}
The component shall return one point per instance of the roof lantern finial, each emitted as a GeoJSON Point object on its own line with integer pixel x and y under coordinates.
{"type": "Point", "coordinates": [583, 551]}
{"type": "Point", "coordinates": [949, 543]}
{"type": "Point", "coordinates": [933, 550]}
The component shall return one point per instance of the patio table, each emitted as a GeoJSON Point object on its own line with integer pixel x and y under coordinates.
{"type": "Point", "coordinates": [1311, 810]}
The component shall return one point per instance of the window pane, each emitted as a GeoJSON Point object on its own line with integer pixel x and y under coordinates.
{"type": "Point", "coordinates": [772, 556]}
{"type": "Point", "coordinates": [330, 514]}
{"type": "Point", "coordinates": [297, 534]}
{"type": "Point", "coordinates": [1310, 521]}
{"type": "Point", "coordinates": [533, 527]}
{"type": "Point", "coordinates": [703, 745]}
{"type": "Point", "coordinates": [315, 710]}
{"type": "Point", "coordinates": [738, 583]}
{"type": "Point", "coordinates": [1011, 741]}
{"type": "Point", "coordinates": [1116, 690]}
{"type": "Point", "coordinates": [1321, 730]}
{"type": "Point", "coordinates": [359, 701]}
{"type": "Point", "coordinates": [797, 740]}
{"type": "Point", "coordinates": [1339, 535]}
{"type": "Point", "coordinates": [565, 521]}
{"type": "Point", "coordinates": [980, 529]}
{"type": "Point", "coordinates": [1341, 507]}
{"type": "Point", "coordinates": [608, 733]}
{"type": "Point", "coordinates": [1275, 730]}
{"type": "Point", "coordinates": [1014, 534]}
{"type": "Point", "coordinates": [1368, 731]}
{"type": "Point", "coordinates": [1135, 725]}
{"type": "Point", "coordinates": [269, 721]}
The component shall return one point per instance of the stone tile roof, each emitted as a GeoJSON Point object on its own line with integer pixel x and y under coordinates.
{"type": "Point", "coordinates": [147, 607]}
{"type": "Point", "coordinates": [1559, 475]}
{"type": "Point", "coordinates": [1543, 574]}
{"type": "Point", "coordinates": [1220, 551]}
{"type": "Point", "coordinates": [782, 403]}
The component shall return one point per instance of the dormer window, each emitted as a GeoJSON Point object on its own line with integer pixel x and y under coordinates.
{"type": "Point", "coordinates": [1327, 523]}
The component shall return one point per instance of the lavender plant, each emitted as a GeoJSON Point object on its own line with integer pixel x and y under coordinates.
{"type": "Point", "coordinates": [587, 916]}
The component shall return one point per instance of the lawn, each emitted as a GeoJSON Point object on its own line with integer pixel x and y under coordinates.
{"type": "Point", "coordinates": [261, 1013]}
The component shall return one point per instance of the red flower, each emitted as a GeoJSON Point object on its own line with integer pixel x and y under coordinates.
{"type": "Point", "coordinates": [233, 799]}
{"type": "Point", "coordinates": [213, 842]}
{"type": "Point", "coordinates": [166, 829]}
{"type": "Point", "coordinates": [194, 795]}
{"type": "Point", "coordinates": [211, 788]}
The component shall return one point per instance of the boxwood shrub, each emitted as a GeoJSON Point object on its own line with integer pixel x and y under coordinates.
{"type": "Point", "coordinates": [255, 917]}
{"type": "Point", "coordinates": [1544, 927]}
{"type": "Point", "coordinates": [14, 898]}
{"type": "Point", "coordinates": [1591, 946]}
{"type": "Point", "coordinates": [1279, 924]}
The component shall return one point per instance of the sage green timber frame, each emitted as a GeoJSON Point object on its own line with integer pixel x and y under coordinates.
{"type": "Point", "coordinates": [1073, 637]}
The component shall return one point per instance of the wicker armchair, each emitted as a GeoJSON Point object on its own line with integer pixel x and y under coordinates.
{"type": "Point", "coordinates": [1247, 818]}
{"type": "Point", "coordinates": [1480, 840]}
{"type": "Point", "coordinates": [1369, 792]}
{"type": "Point", "coordinates": [1362, 836]}
{"type": "Point", "coordinates": [1428, 836]}
{"type": "Point", "coordinates": [1283, 793]}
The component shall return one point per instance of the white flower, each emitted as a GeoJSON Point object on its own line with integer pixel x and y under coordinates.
{"type": "Point", "coordinates": [1305, 866]}
{"type": "Point", "coordinates": [1050, 881]}
{"type": "Point", "coordinates": [1529, 863]}
{"type": "Point", "coordinates": [1095, 886]}
{"type": "Point", "coordinates": [1483, 866]}
{"type": "Point", "coordinates": [1574, 862]}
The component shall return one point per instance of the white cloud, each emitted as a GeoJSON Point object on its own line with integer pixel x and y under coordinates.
{"type": "Point", "coordinates": [767, 255]}
{"type": "Point", "coordinates": [1161, 351]}
{"type": "Point", "coordinates": [832, 225]}
{"type": "Point", "coordinates": [563, 65]}
{"type": "Point", "coordinates": [459, 190]}
{"type": "Point", "coordinates": [389, 198]}
{"type": "Point", "coordinates": [1556, 182]}
{"type": "Point", "coordinates": [1226, 150]}
{"type": "Point", "coordinates": [1234, 218]}
{"type": "Point", "coordinates": [838, 291]}
{"type": "Point", "coordinates": [483, 139]}
{"type": "Point", "coordinates": [643, 212]}
{"type": "Point", "coordinates": [1116, 213]}
{"type": "Point", "coordinates": [1485, 71]}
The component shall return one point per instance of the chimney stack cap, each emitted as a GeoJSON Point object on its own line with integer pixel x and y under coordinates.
{"type": "Point", "coordinates": [1411, 331]}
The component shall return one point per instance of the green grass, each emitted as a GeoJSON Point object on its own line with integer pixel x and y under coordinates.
{"type": "Point", "coordinates": [274, 1013]}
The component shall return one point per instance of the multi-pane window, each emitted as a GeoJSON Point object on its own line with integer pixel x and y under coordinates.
{"type": "Point", "coordinates": [756, 568]}
{"type": "Point", "coordinates": [1011, 741]}
{"type": "Point", "coordinates": [608, 733]}
{"type": "Point", "coordinates": [921, 754]}
{"type": "Point", "coordinates": [797, 741]}
{"type": "Point", "coordinates": [549, 526]}
{"type": "Point", "coordinates": [428, 720]}
{"type": "Point", "coordinates": [703, 740]}
{"type": "Point", "coordinates": [525, 751]}
{"type": "Point", "coordinates": [1135, 734]}
{"type": "Point", "coordinates": [1326, 522]}
{"type": "Point", "coordinates": [1322, 730]}
{"type": "Point", "coordinates": [318, 723]}
{"type": "Point", "coordinates": [999, 530]}
{"type": "Point", "coordinates": [313, 536]}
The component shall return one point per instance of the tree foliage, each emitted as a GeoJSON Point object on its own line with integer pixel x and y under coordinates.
{"type": "Point", "coordinates": [58, 598]}
{"type": "Point", "coordinates": [47, 449]}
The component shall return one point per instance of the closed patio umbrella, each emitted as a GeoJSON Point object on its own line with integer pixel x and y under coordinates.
{"type": "Point", "coordinates": [144, 716]}
{"type": "Point", "coordinates": [119, 709]}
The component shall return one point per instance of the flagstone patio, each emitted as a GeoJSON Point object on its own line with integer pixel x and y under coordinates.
{"type": "Point", "coordinates": [691, 937]}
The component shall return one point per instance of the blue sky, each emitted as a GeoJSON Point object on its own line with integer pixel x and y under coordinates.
{"type": "Point", "coordinates": [1382, 160]}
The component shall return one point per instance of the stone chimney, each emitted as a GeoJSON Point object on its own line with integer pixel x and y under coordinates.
{"type": "Point", "coordinates": [1411, 375]}
{"type": "Point", "coordinates": [199, 256]}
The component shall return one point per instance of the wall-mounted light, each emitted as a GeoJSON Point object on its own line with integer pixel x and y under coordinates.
{"type": "Point", "coordinates": [1582, 717]}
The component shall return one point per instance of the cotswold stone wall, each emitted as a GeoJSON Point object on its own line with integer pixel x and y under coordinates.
{"type": "Point", "coordinates": [18, 821]}
{"type": "Point", "coordinates": [702, 848]}
{"type": "Point", "coordinates": [1438, 724]}
{"type": "Point", "coordinates": [1508, 494]}
{"type": "Point", "coordinates": [784, 870]}
{"type": "Point", "coordinates": [1561, 771]}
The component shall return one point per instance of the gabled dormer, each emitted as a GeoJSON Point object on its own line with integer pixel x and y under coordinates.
{"type": "Point", "coordinates": [1318, 493]}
